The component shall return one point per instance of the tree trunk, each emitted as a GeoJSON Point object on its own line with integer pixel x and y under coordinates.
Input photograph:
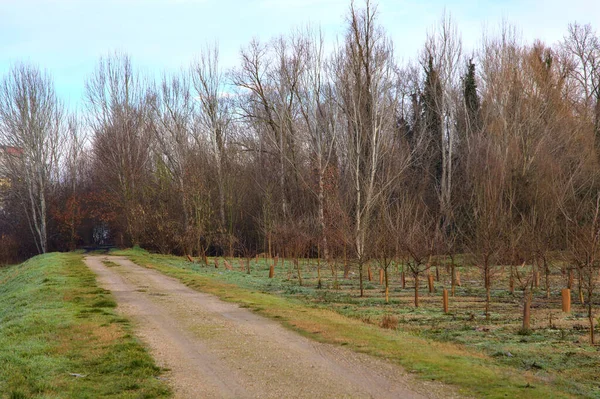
{"type": "Point", "coordinates": [221, 187]}
{"type": "Point", "coordinates": [336, 284]}
{"type": "Point", "coordinates": [488, 296]}
{"type": "Point", "coordinates": [403, 279]}
{"type": "Point", "coordinates": [387, 286]}
{"type": "Point", "coordinates": [416, 290]}
{"type": "Point", "coordinates": [360, 277]}
{"type": "Point", "coordinates": [526, 311]}
{"type": "Point", "coordinates": [321, 212]}
{"type": "Point", "coordinates": [590, 305]}
{"type": "Point", "coordinates": [346, 268]}
{"type": "Point", "coordinates": [580, 286]}
{"type": "Point", "coordinates": [270, 246]}
{"type": "Point", "coordinates": [453, 283]}
{"type": "Point", "coordinates": [570, 279]}
{"type": "Point", "coordinates": [547, 270]}
{"type": "Point", "coordinates": [319, 283]}
{"type": "Point", "coordinates": [297, 264]}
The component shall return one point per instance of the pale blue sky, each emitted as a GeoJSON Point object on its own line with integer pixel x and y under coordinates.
{"type": "Point", "coordinates": [68, 36]}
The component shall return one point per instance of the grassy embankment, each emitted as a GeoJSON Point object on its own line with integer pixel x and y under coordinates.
{"type": "Point", "coordinates": [483, 359]}
{"type": "Point", "coordinates": [60, 336]}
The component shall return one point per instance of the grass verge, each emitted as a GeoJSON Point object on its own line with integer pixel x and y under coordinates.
{"type": "Point", "coordinates": [60, 336]}
{"type": "Point", "coordinates": [473, 372]}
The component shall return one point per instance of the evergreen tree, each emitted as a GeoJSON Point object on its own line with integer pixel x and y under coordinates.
{"type": "Point", "coordinates": [471, 98]}
{"type": "Point", "coordinates": [432, 116]}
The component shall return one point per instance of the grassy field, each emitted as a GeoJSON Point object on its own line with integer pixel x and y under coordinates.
{"type": "Point", "coordinates": [60, 336]}
{"type": "Point", "coordinates": [484, 358]}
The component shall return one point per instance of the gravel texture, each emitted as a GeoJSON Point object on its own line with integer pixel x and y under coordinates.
{"type": "Point", "coordinates": [215, 349]}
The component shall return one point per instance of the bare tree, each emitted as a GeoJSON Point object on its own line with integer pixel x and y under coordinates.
{"type": "Point", "coordinates": [267, 82]}
{"type": "Point", "coordinates": [318, 121]}
{"type": "Point", "coordinates": [117, 105]}
{"type": "Point", "coordinates": [441, 59]}
{"type": "Point", "coordinates": [581, 49]}
{"type": "Point", "coordinates": [581, 210]}
{"type": "Point", "coordinates": [74, 167]}
{"type": "Point", "coordinates": [365, 81]}
{"type": "Point", "coordinates": [31, 121]}
{"type": "Point", "coordinates": [488, 217]}
{"type": "Point", "coordinates": [171, 122]}
{"type": "Point", "coordinates": [214, 114]}
{"type": "Point", "coordinates": [415, 225]}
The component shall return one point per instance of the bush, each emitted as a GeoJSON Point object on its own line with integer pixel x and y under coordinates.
{"type": "Point", "coordinates": [388, 321]}
{"type": "Point", "coordinates": [8, 249]}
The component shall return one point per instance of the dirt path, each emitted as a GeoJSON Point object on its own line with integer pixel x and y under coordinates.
{"type": "Point", "coordinates": [216, 349]}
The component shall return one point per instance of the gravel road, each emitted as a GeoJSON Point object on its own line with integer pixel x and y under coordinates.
{"type": "Point", "coordinates": [215, 349]}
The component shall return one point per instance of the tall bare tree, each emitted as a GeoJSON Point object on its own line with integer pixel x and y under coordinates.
{"type": "Point", "coordinates": [441, 59]}
{"type": "Point", "coordinates": [365, 82]}
{"type": "Point", "coordinates": [171, 122]}
{"type": "Point", "coordinates": [319, 120]}
{"type": "Point", "coordinates": [118, 110]}
{"type": "Point", "coordinates": [214, 114]}
{"type": "Point", "coordinates": [581, 49]}
{"type": "Point", "coordinates": [31, 121]}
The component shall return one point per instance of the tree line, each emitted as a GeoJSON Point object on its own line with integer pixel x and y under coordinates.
{"type": "Point", "coordinates": [298, 151]}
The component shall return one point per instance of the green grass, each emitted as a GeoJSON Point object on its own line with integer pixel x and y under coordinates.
{"type": "Point", "coordinates": [54, 322]}
{"type": "Point", "coordinates": [341, 317]}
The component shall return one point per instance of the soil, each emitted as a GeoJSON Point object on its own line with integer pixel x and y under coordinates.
{"type": "Point", "coordinates": [215, 349]}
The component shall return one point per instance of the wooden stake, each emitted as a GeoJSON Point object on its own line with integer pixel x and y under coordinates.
{"type": "Point", "coordinates": [272, 270]}
{"type": "Point", "coordinates": [566, 300]}
{"type": "Point", "coordinates": [190, 258]}
{"type": "Point", "coordinates": [216, 263]}
{"type": "Point", "coordinates": [445, 300]}
{"type": "Point", "coordinates": [430, 282]}
{"type": "Point", "coordinates": [458, 278]}
{"type": "Point", "coordinates": [370, 274]}
{"type": "Point", "coordinates": [381, 276]}
{"type": "Point", "coordinates": [298, 270]}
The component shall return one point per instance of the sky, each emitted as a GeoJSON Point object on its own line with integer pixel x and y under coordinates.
{"type": "Point", "coordinates": [67, 37]}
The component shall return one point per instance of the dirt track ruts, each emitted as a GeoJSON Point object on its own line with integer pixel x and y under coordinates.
{"type": "Point", "coordinates": [215, 349]}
